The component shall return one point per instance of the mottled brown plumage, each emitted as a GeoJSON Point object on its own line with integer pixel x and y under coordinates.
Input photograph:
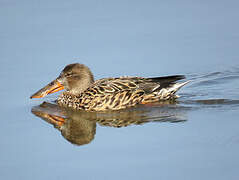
{"type": "Point", "coordinates": [82, 92]}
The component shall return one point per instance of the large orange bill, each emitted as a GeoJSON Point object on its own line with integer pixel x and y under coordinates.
{"type": "Point", "coordinates": [52, 87]}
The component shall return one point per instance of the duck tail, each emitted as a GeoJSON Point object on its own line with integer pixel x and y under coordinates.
{"type": "Point", "coordinates": [175, 87]}
{"type": "Point", "coordinates": [168, 82]}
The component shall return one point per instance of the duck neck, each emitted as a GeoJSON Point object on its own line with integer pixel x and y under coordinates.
{"type": "Point", "coordinates": [81, 85]}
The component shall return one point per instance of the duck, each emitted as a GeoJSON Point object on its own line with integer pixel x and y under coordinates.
{"type": "Point", "coordinates": [85, 93]}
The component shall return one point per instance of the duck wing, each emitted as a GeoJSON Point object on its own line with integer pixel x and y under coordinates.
{"type": "Point", "coordinates": [148, 85]}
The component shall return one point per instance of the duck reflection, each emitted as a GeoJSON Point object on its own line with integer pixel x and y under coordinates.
{"type": "Point", "coordinates": [79, 127]}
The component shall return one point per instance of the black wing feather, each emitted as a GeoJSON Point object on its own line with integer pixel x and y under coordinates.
{"type": "Point", "coordinates": [165, 81]}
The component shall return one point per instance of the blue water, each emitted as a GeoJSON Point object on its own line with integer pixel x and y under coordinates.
{"type": "Point", "coordinates": [196, 138]}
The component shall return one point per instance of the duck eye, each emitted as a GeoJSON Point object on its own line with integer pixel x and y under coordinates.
{"type": "Point", "coordinates": [69, 74]}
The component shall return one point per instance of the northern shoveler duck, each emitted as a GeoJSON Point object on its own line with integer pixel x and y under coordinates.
{"type": "Point", "coordinates": [82, 92]}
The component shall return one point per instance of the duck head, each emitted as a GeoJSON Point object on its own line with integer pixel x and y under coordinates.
{"type": "Point", "coordinates": [75, 78]}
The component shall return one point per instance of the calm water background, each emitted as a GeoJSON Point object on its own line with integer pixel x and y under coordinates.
{"type": "Point", "coordinates": [145, 38]}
